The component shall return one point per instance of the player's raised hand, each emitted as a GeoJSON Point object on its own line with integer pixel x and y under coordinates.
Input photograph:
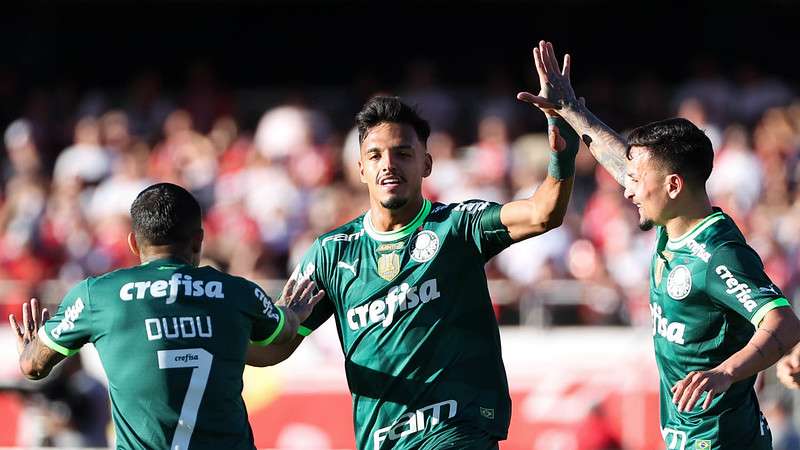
{"type": "Point", "coordinates": [300, 297]}
{"type": "Point", "coordinates": [687, 392]}
{"type": "Point", "coordinates": [32, 320]}
{"type": "Point", "coordinates": [555, 88]}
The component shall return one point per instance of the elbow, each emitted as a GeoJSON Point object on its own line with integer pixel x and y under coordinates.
{"type": "Point", "coordinates": [550, 223]}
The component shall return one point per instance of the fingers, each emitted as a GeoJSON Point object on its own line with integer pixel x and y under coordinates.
{"type": "Point", "coordinates": [537, 101]}
{"type": "Point", "coordinates": [26, 318]}
{"type": "Point", "coordinates": [288, 290]}
{"type": "Point", "coordinates": [35, 314]}
{"type": "Point", "coordinates": [547, 57]}
{"type": "Point", "coordinates": [305, 289]}
{"type": "Point", "coordinates": [567, 66]}
{"type": "Point", "coordinates": [540, 68]}
{"type": "Point", "coordinates": [709, 398]}
{"type": "Point", "coordinates": [794, 358]}
{"type": "Point", "coordinates": [317, 297]}
{"type": "Point", "coordinates": [693, 394]}
{"type": "Point", "coordinates": [45, 315]}
{"type": "Point", "coordinates": [14, 325]}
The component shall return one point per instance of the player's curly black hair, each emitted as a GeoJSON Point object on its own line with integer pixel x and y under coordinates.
{"type": "Point", "coordinates": [679, 146]}
{"type": "Point", "coordinates": [380, 109]}
{"type": "Point", "coordinates": [165, 214]}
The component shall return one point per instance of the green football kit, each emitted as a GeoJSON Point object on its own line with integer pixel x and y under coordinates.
{"type": "Point", "coordinates": [708, 292]}
{"type": "Point", "coordinates": [416, 325]}
{"type": "Point", "coordinates": [172, 339]}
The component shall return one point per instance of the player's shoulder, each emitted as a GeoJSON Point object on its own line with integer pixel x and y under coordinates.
{"type": "Point", "coordinates": [442, 211]}
{"type": "Point", "coordinates": [351, 231]}
{"type": "Point", "coordinates": [721, 235]}
{"type": "Point", "coordinates": [227, 279]}
{"type": "Point", "coordinates": [112, 277]}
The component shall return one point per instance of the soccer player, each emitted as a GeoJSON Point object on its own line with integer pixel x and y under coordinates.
{"type": "Point", "coordinates": [406, 286]}
{"type": "Point", "coordinates": [718, 320]}
{"type": "Point", "coordinates": [172, 336]}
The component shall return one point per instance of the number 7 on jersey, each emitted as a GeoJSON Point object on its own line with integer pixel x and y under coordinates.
{"type": "Point", "coordinates": [199, 360]}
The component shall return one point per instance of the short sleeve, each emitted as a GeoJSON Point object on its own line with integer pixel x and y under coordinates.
{"type": "Point", "coordinates": [312, 266]}
{"type": "Point", "coordinates": [268, 319]}
{"type": "Point", "coordinates": [735, 279]}
{"type": "Point", "coordinates": [71, 326]}
{"type": "Point", "coordinates": [479, 223]}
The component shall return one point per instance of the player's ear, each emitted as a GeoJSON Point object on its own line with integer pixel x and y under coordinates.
{"type": "Point", "coordinates": [675, 185]}
{"type": "Point", "coordinates": [428, 165]}
{"type": "Point", "coordinates": [197, 242]}
{"type": "Point", "coordinates": [361, 176]}
{"type": "Point", "coordinates": [133, 245]}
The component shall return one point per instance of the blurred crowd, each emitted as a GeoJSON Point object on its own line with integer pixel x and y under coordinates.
{"type": "Point", "coordinates": [275, 168]}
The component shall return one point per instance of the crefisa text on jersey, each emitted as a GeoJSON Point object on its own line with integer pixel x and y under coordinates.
{"type": "Point", "coordinates": [171, 288]}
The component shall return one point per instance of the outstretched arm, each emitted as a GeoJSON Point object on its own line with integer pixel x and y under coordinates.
{"type": "Point", "coordinates": [607, 146]}
{"type": "Point", "coordinates": [36, 360]}
{"type": "Point", "coordinates": [545, 209]}
{"type": "Point", "coordinates": [297, 302]}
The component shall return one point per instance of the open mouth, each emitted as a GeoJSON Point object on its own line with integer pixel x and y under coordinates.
{"type": "Point", "coordinates": [390, 181]}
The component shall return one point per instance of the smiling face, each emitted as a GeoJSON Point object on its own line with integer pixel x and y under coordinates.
{"type": "Point", "coordinates": [393, 163]}
{"type": "Point", "coordinates": [647, 185]}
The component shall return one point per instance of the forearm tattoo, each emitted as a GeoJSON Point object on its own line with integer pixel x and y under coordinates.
{"type": "Point", "coordinates": [758, 349]}
{"type": "Point", "coordinates": [608, 147]}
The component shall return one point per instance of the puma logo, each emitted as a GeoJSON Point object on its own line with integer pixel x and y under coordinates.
{"type": "Point", "coordinates": [351, 268]}
{"type": "Point", "coordinates": [771, 288]}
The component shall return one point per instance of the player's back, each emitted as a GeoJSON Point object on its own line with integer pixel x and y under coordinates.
{"type": "Point", "coordinates": [172, 338]}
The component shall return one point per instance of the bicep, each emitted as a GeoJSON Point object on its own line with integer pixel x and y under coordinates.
{"type": "Point", "coordinates": [516, 216]}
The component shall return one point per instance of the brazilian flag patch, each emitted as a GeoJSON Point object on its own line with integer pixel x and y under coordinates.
{"type": "Point", "coordinates": [702, 445]}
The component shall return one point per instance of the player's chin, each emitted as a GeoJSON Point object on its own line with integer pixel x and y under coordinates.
{"type": "Point", "coordinates": [394, 201]}
{"type": "Point", "coordinates": [646, 224]}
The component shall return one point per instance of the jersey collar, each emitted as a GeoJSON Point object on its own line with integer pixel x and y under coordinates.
{"type": "Point", "coordinates": [389, 236]}
{"type": "Point", "coordinates": [679, 242]}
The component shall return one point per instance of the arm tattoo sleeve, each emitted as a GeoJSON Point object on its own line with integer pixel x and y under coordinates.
{"type": "Point", "coordinates": [608, 147]}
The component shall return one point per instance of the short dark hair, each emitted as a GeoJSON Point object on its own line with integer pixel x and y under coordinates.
{"type": "Point", "coordinates": [678, 145]}
{"type": "Point", "coordinates": [380, 109]}
{"type": "Point", "coordinates": [165, 214]}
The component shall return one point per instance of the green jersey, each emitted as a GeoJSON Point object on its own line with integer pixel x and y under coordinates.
{"type": "Point", "coordinates": [172, 339]}
{"type": "Point", "coordinates": [416, 324]}
{"type": "Point", "coordinates": [708, 292]}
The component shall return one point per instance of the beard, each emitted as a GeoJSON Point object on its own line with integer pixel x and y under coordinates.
{"type": "Point", "coordinates": [394, 203]}
{"type": "Point", "coordinates": [646, 224]}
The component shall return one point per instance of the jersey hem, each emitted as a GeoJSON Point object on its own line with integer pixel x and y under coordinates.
{"type": "Point", "coordinates": [53, 345]}
{"type": "Point", "coordinates": [759, 315]}
{"type": "Point", "coordinates": [281, 325]}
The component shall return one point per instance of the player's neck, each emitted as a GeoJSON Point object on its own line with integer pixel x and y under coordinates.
{"type": "Point", "coordinates": [164, 252]}
{"type": "Point", "coordinates": [386, 220]}
{"type": "Point", "coordinates": [690, 216]}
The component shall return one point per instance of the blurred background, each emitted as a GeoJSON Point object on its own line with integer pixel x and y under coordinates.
{"type": "Point", "coordinates": [250, 105]}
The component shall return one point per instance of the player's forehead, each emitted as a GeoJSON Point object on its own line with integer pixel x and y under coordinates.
{"type": "Point", "coordinates": [388, 135]}
{"type": "Point", "coordinates": [639, 161]}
